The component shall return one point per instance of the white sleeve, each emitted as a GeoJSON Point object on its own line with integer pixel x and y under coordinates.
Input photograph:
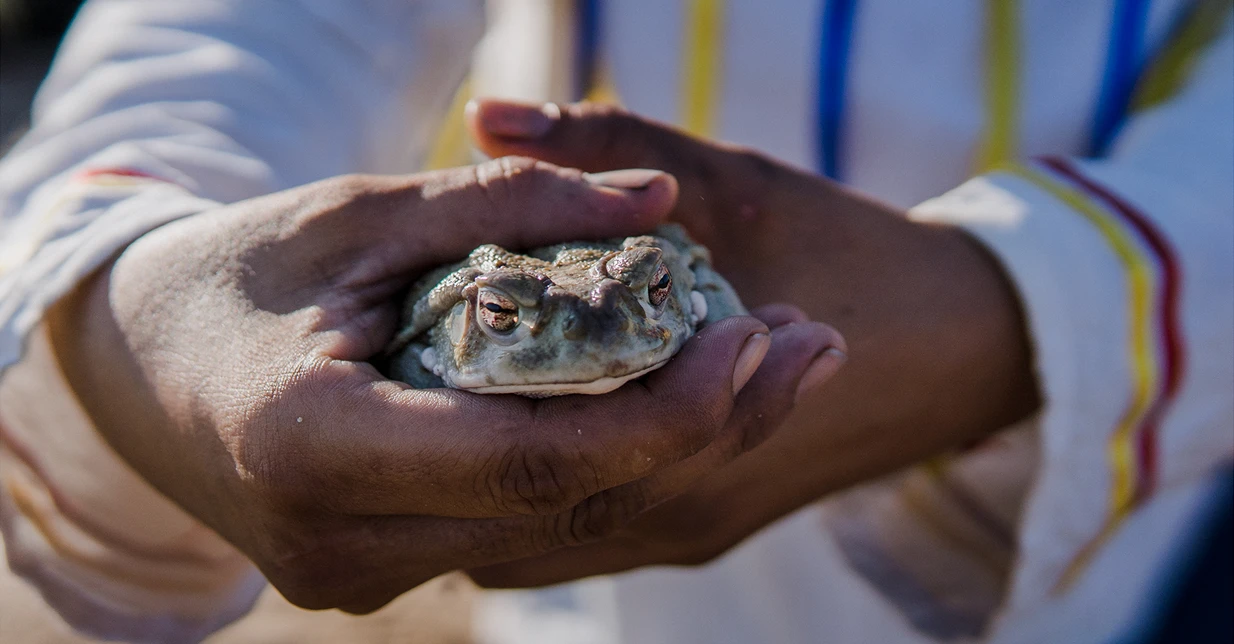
{"type": "Point", "coordinates": [154, 110]}
{"type": "Point", "coordinates": [1124, 265]}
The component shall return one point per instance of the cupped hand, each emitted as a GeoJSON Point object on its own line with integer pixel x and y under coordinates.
{"type": "Point", "coordinates": [938, 354]}
{"type": "Point", "coordinates": [224, 356]}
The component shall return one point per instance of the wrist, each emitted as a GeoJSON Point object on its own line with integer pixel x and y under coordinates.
{"type": "Point", "coordinates": [939, 354]}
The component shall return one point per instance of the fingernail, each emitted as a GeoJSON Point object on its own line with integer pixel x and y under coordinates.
{"type": "Point", "coordinates": [748, 360]}
{"type": "Point", "coordinates": [515, 120]}
{"type": "Point", "coordinates": [636, 179]}
{"type": "Point", "coordinates": [820, 371]}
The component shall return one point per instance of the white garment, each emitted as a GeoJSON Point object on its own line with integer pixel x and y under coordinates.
{"type": "Point", "coordinates": [158, 109]}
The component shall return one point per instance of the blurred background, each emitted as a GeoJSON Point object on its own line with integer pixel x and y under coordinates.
{"type": "Point", "coordinates": [29, 33]}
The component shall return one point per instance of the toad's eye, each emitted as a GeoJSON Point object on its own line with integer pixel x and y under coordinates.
{"type": "Point", "coordinates": [497, 311]}
{"type": "Point", "coordinates": [661, 285]}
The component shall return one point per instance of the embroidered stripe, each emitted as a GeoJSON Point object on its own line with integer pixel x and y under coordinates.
{"type": "Point", "coordinates": [586, 47]}
{"type": "Point", "coordinates": [1171, 64]}
{"type": "Point", "coordinates": [65, 508]}
{"type": "Point", "coordinates": [25, 248]}
{"type": "Point", "coordinates": [938, 473]}
{"type": "Point", "coordinates": [701, 65]}
{"type": "Point", "coordinates": [1122, 68]}
{"type": "Point", "coordinates": [594, 79]}
{"type": "Point", "coordinates": [1173, 355]}
{"type": "Point", "coordinates": [931, 516]}
{"type": "Point", "coordinates": [450, 147]}
{"type": "Point", "coordinates": [97, 173]}
{"type": "Point", "coordinates": [1140, 280]}
{"type": "Point", "coordinates": [1000, 142]}
{"type": "Point", "coordinates": [835, 38]}
{"type": "Point", "coordinates": [1155, 347]}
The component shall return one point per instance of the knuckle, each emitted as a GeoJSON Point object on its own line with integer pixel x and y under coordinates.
{"type": "Point", "coordinates": [502, 180]}
{"type": "Point", "coordinates": [597, 517]}
{"type": "Point", "coordinates": [539, 481]}
{"type": "Point", "coordinates": [509, 185]}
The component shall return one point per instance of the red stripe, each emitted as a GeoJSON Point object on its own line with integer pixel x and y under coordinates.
{"type": "Point", "coordinates": [121, 172]}
{"type": "Point", "coordinates": [1174, 354]}
{"type": "Point", "coordinates": [65, 506]}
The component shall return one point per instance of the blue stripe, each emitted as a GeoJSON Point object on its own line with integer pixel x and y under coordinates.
{"type": "Point", "coordinates": [587, 53]}
{"type": "Point", "coordinates": [836, 38]}
{"type": "Point", "coordinates": [1124, 60]}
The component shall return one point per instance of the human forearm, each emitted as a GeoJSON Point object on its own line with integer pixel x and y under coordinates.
{"type": "Point", "coordinates": [939, 352]}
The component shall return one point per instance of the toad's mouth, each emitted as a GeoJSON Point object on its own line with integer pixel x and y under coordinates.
{"type": "Point", "coordinates": [543, 389]}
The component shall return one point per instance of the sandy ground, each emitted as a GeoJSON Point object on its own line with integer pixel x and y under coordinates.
{"type": "Point", "coordinates": [436, 613]}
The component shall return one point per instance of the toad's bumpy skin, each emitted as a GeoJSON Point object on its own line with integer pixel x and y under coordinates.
{"type": "Point", "coordinates": [578, 318]}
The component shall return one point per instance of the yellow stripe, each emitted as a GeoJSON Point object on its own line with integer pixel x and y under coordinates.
{"type": "Point", "coordinates": [605, 89]}
{"type": "Point", "coordinates": [1171, 68]}
{"type": "Point", "coordinates": [450, 148]}
{"type": "Point", "coordinates": [917, 501]}
{"type": "Point", "coordinates": [1145, 372]}
{"type": "Point", "coordinates": [700, 69]}
{"type": "Point", "coordinates": [1002, 88]}
{"type": "Point", "coordinates": [74, 189]}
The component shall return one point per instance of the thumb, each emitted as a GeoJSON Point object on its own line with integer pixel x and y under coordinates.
{"type": "Point", "coordinates": [517, 203]}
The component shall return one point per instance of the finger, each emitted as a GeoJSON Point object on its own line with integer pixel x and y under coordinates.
{"type": "Point", "coordinates": [687, 530]}
{"type": "Point", "coordinates": [386, 556]}
{"type": "Point", "coordinates": [593, 137]}
{"type": "Point", "coordinates": [411, 223]}
{"type": "Point", "coordinates": [762, 405]}
{"type": "Point", "coordinates": [721, 186]}
{"type": "Point", "coordinates": [363, 445]}
{"type": "Point", "coordinates": [361, 563]}
{"type": "Point", "coordinates": [779, 314]}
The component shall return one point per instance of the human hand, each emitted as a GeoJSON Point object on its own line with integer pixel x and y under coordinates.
{"type": "Point", "coordinates": [938, 353]}
{"type": "Point", "coordinates": [224, 357]}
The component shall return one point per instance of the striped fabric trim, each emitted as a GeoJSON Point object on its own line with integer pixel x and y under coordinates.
{"type": "Point", "coordinates": [833, 55]}
{"type": "Point", "coordinates": [450, 148]}
{"type": "Point", "coordinates": [1155, 347]}
{"type": "Point", "coordinates": [49, 511]}
{"type": "Point", "coordinates": [1198, 27]}
{"type": "Point", "coordinates": [1124, 60]}
{"type": "Point", "coordinates": [73, 189]}
{"type": "Point", "coordinates": [1000, 142]}
{"type": "Point", "coordinates": [587, 19]}
{"type": "Point", "coordinates": [701, 69]}
{"type": "Point", "coordinates": [103, 175]}
{"type": "Point", "coordinates": [938, 471]}
{"type": "Point", "coordinates": [931, 516]}
{"type": "Point", "coordinates": [593, 77]}
{"type": "Point", "coordinates": [592, 82]}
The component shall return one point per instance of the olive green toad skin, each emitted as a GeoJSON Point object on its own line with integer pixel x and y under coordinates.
{"type": "Point", "coordinates": [582, 317]}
